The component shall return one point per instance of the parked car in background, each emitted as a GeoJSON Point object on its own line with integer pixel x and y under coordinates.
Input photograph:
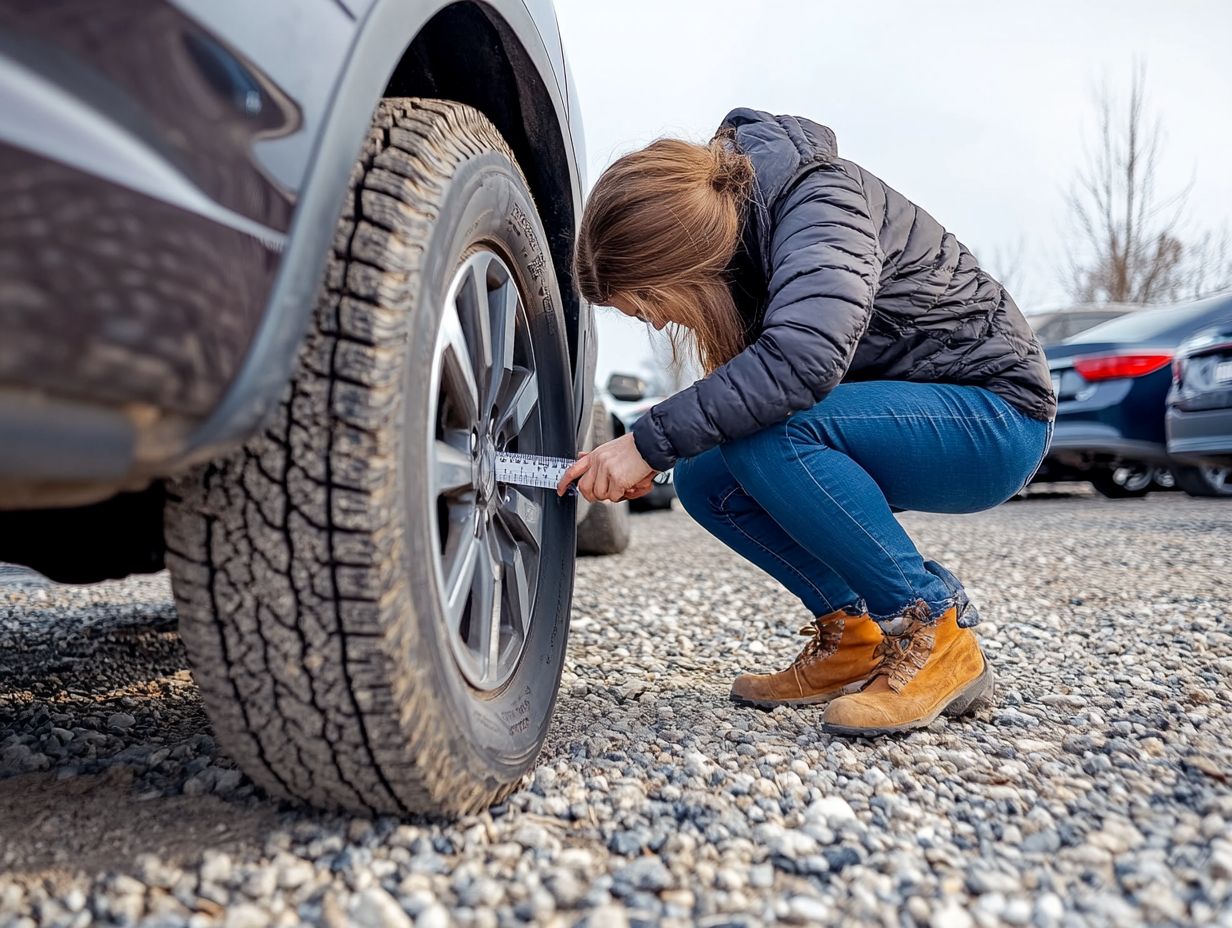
{"type": "Point", "coordinates": [603, 528]}
{"type": "Point", "coordinates": [1111, 383]}
{"type": "Point", "coordinates": [279, 280]}
{"type": "Point", "coordinates": [631, 397]}
{"type": "Point", "coordinates": [1199, 415]}
{"type": "Point", "coordinates": [1059, 324]}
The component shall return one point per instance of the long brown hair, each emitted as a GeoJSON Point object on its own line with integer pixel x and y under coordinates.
{"type": "Point", "coordinates": [659, 229]}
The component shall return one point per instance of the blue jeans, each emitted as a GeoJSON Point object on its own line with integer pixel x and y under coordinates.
{"type": "Point", "coordinates": [811, 499]}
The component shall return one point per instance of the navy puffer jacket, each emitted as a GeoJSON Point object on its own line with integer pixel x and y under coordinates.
{"type": "Point", "coordinates": [840, 277]}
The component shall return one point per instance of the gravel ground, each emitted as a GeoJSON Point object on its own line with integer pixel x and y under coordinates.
{"type": "Point", "coordinates": [1096, 792]}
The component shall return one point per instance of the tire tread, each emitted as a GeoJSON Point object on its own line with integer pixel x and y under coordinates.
{"type": "Point", "coordinates": [283, 556]}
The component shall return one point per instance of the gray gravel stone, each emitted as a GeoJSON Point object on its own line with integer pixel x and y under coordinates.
{"type": "Point", "coordinates": [1095, 792]}
{"type": "Point", "coordinates": [375, 908]}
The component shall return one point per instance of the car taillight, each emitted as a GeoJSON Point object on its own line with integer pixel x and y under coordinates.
{"type": "Point", "coordinates": [1116, 366]}
{"type": "Point", "coordinates": [1176, 371]}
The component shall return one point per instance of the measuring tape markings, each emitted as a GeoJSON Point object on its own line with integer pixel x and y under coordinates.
{"type": "Point", "coordinates": [536, 470]}
{"type": "Point", "coordinates": [531, 469]}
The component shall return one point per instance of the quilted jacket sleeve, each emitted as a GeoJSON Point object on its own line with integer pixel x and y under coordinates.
{"type": "Point", "coordinates": [824, 265]}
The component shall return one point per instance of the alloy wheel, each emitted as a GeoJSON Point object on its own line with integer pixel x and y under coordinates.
{"type": "Point", "coordinates": [485, 399]}
{"type": "Point", "coordinates": [1134, 477]}
{"type": "Point", "coordinates": [1220, 479]}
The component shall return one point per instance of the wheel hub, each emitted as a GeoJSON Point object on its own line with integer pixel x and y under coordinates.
{"type": "Point", "coordinates": [485, 477]}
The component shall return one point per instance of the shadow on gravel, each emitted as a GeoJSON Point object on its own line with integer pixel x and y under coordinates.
{"type": "Point", "coordinates": [103, 822]}
{"type": "Point", "coordinates": [106, 752]}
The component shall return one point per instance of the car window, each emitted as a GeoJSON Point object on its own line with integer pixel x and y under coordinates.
{"type": "Point", "coordinates": [1086, 320]}
{"type": "Point", "coordinates": [1050, 329]}
{"type": "Point", "coordinates": [1148, 324]}
{"type": "Point", "coordinates": [1080, 322]}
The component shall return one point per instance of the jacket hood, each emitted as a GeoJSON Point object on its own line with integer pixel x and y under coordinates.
{"type": "Point", "coordinates": [780, 147]}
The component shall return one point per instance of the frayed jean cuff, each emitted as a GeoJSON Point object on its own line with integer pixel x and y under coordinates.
{"type": "Point", "coordinates": [929, 613]}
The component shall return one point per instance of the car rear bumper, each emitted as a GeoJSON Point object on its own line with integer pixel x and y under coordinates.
{"type": "Point", "coordinates": [1092, 439]}
{"type": "Point", "coordinates": [1200, 435]}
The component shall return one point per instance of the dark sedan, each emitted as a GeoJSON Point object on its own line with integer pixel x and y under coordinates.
{"type": "Point", "coordinates": [1111, 382]}
{"type": "Point", "coordinates": [1199, 416]}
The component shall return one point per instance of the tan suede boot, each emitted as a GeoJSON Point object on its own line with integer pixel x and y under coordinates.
{"type": "Point", "coordinates": [839, 658]}
{"type": "Point", "coordinates": [924, 671]}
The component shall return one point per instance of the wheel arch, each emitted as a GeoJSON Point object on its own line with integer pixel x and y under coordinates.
{"type": "Point", "coordinates": [516, 89]}
{"type": "Point", "coordinates": [469, 53]}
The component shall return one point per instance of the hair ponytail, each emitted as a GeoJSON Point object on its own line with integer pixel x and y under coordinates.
{"type": "Point", "coordinates": [731, 172]}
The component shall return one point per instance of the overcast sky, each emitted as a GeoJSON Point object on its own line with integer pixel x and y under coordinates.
{"type": "Point", "coordinates": [976, 111]}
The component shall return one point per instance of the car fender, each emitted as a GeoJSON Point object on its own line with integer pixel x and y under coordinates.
{"type": "Point", "coordinates": [380, 40]}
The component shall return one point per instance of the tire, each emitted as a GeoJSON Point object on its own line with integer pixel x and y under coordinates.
{"type": "Point", "coordinates": [1204, 481]}
{"type": "Point", "coordinates": [310, 569]}
{"type": "Point", "coordinates": [1137, 484]}
{"type": "Point", "coordinates": [605, 527]}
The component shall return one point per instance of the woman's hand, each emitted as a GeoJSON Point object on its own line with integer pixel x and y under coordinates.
{"type": "Point", "coordinates": [639, 490]}
{"type": "Point", "coordinates": [609, 473]}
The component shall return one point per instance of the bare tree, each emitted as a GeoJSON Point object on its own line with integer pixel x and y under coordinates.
{"type": "Point", "coordinates": [1209, 264]}
{"type": "Point", "coordinates": [1130, 247]}
{"type": "Point", "coordinates": [1008, 264]}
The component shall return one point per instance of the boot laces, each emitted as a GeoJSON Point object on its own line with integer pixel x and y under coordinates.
{"type": "Point", "coordinates": [900, 657]}
{"type": "Point", "coordinates": [824, 637]}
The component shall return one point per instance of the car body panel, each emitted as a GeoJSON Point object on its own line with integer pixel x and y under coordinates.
{"type": "Point", "coordinates": [1199, 416]}
{"type": "Point", "coordinates": [86, 72]}
{"type": "Point", "coordinates": [119, 299]}
{"type": "Point", "coordinates": [1119, 419]}
{"type": "Point", "coordinates": [139, 235]}
{"type": "Point", "coordinates": [1203, 437]}
{"type": "Point", "coordinates": [1129, 408]}
{"type": "Point", "coordinates": [187, 367]}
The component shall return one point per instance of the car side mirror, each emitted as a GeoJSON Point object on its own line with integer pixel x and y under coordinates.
{"type": "Point", "coordinates": [626, 387]}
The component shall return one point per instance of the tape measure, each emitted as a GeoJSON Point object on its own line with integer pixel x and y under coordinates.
{"type": "Point", "coordinates": [531, 470]}
{"type": "Point", "coordinates": [537, 470]}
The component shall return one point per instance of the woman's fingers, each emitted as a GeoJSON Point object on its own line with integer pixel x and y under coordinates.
{"type": "Point", "coordinates": [639, 489]}
{"type": "Point", "coordinates": [637, 492]}
{"type": "Point", "coordinates": [602, 475]}
{"type": "Point", "coordinates": [602, 482]}
{"type": "Point", "coordinates": [576, 470]}
{"type": "Point", "coordinates": [586, 486]}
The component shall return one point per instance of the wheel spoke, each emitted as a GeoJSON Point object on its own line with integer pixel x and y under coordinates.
{"type": "Point", "coordinates": [451, 468]}
{"type": "Point", "coordinates": [493, 651]}
{"type": "Point", "coordinates": [474, 307]}
{"type": "Point", "coordinates": [456, 365]}
{"type": "Point", "coordinates": [522, 516]}
{"type": "Point", "coordinates": [504, 331]}
{"type": "Point", "coordinates": [484, 637]}
{"type": "Point", "coordinates": [460, 576]}
{"type": "Point", "coordinates": [517, 587]}
{"type": "Point", "coordinates": [520, 401]}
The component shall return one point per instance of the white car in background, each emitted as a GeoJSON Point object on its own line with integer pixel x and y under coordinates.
{"type": "Point", "coordinates": [630, 397]}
